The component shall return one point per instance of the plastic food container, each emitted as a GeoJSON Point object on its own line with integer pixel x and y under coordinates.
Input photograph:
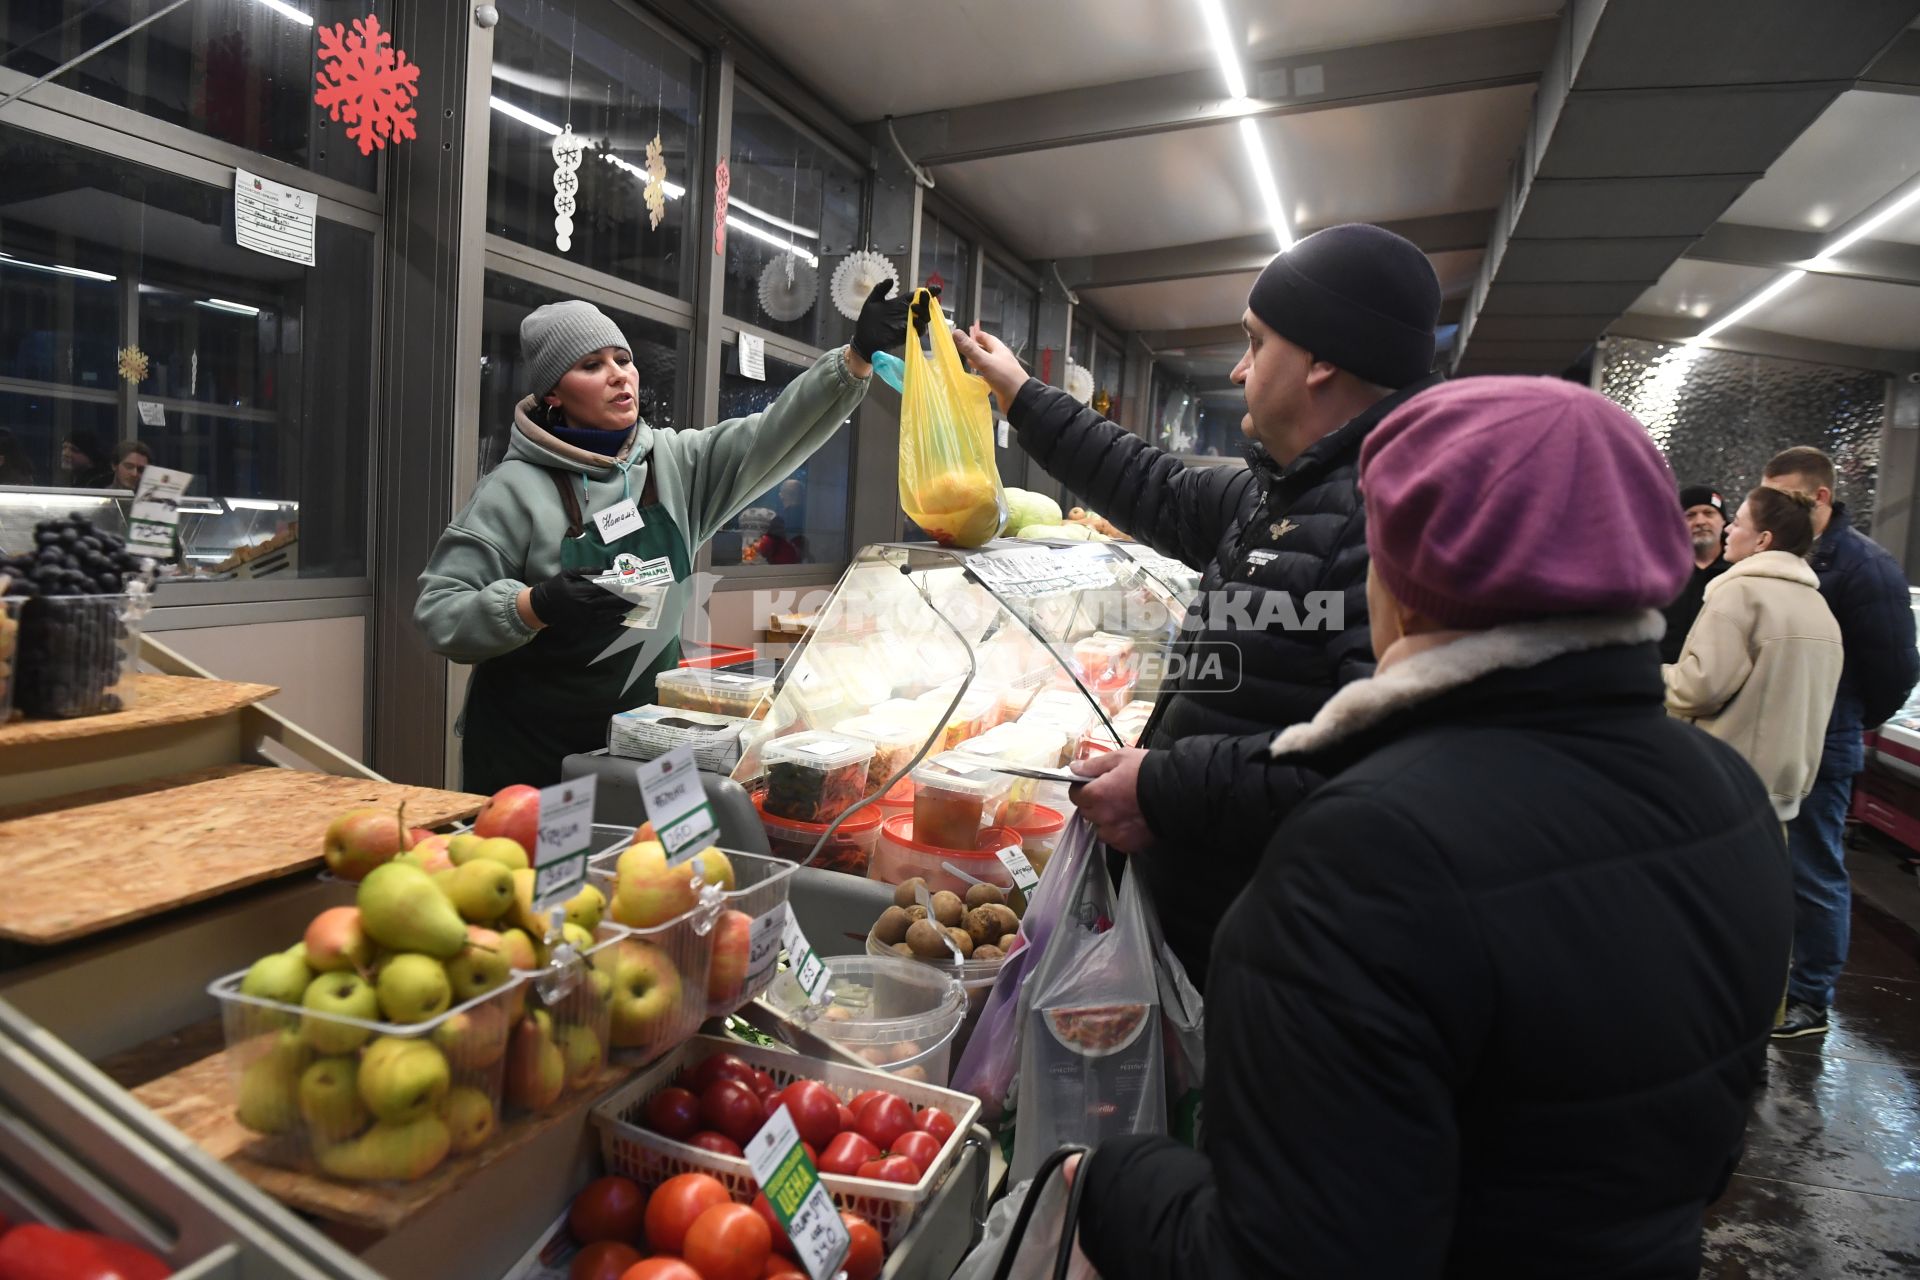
{"type": "Point", "coordinates": [721, 693]}
{"type": "Point", "coordinates": [975, 977]}
{"type": "Point", "coordinates": [73, 653]}
{"type": "Point", "coordinates": [302, 1081]}
{"type": "Point", "coordinates": [955, 795]}
{"type": "Point", "coordinates": [898, 856]}
{"type": "Point", "coordinates": [1039, 830]}
{"type": "Point", "coordinates": [850, 850]}
{"type": "Point", "coordinates": [1101, 656]}
{"type": "Point", "coordinates": [9, 643]}
{"type": "Point", "coordinates": [968, 720]}
{"type": "Point", "coordinates": [814, 776]}
{"type": "Point", "coordinates": [647, 733]}
{"type": "Point", "coordinates": [579, 1013]}
{"type": "Point", "coordinates": [1036, 746]}
{"type": "Point", "coordinates": [628, 1149]}
{"type": "Point", "coordinates": [1062, 709]}
{"type": "Point", "coordinates": [656, 984]}
{"type": "Point", "coordinates": [898, 1014]}
{"type": "Point", "coordinates": [894, 743]}
{"type": "Point", "coordinates": [1113, 689]}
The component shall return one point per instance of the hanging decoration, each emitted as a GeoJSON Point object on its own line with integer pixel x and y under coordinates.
{"type": "Point", "coordinates": [367, 82]}
{"type": "Point", "coordinates": [788, 287]}
{"type": "Point", "coordinates": [722, 184]}
{"type": "Point", "coordinates": [1079, 381]}
{"type": "Point", "coordinates": [1103, 403]}
{"type": "Point", "coordinates": [656, 191]}
{"type": "Point", "coordinates": [568, 147]}
{"type": "Point", "coordinates": [855, 277]}
{"type": "Point", "coordinates": [133, 365]}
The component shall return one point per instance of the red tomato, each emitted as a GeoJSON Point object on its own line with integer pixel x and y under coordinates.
{"type": "Point", "coordinates": [763, 1084]}
{"type": "Point", "coordinates": [729, 1107]}
{"type": "Point", "coordinates": [812, 1155]}
{"type": "Point", "coordinates": [610, 1208]}
{"type": "Point", "coordinates": [846, 1153]}
{"type": "Point", "coordinates": [815, 1111]}
{"type": "Point", "coordinates": [32, 1251]}
{"type": "Point", "coordinates": [674, 1113]}
{"type": "Point", "coordinates": [676, 1203]}
{"type": "Point", "coordinates": [921, 1148]}
{"type": "Point", "coordinates": [603, 1260]}
{"type": "Point", "coordinates": [763, 1207]}
{"type": "Point", "coordinates": [891, 1169]}
{"type": "Point", "coordinates": [126, 1261]}
{"type": "Point", "coordinates": [728, 1242]}
{"type": "Point", "coordinates": [863, 1260]}
{"type": "Point", "coordinates": [883, 1119]}
{"type": "Point", "coordinates": [860, 1100]}
{"type": "Point", "coordinates": [716, 1067]}
{"type": "Point", "coordinates": [661, 1269]}
{"type": "Point", "coordinates": [847, 1120]}
{"type": "Point", "coordinates": [936, 1122]}
{"type": "Point", "coordinates": [718, 1143]}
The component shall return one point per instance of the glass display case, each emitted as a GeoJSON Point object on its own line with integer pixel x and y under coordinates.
{"type": "Point", "coordinates": [1897, 742]}
{"type": "Point", "coordinates": [220, 538]}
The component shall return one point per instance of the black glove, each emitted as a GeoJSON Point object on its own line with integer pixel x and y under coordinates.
{"type": "Point", "coordinates": [570, 600]}
{"type": "Point", "coordinates": [883, 322]}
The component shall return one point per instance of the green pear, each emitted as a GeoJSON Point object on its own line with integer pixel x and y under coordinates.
{"type": "Point", "coordinates": [481, 890]}
{"type": "Point", "coordinates": [402, 1080]}
{"type": "Point", "coordinates": [269, 1096]}
{"type": "Point", "coordinates": [330, 1100]}
{"type": "Point", "coordinates": [414, 988]}
{"type": "Point", "coordinates": [338, 995]}
{"type": "Point", "coordinates": [401, 908]}
{"type": "Point", "coordinates": [391, 1152]}
{"type": "Point", "coordinates": [461, 849]}
{"type": "Point", "coordinates": [290, 1050]}
{"type": "Point", "coordinates": [536, 1068]}
{"type": "Point", "coordinates": [505, 851]}
{"type": "Point", "coordinates": [280, 976]}
{"type": "Point", "coordinates": [475, 1038]}
{"type": "Point", "coordinates": [481, 968]}
{"type": "Point", "coordinates": [519, 948]}
{"type": "Point", "coordinates": [583, 1054]}
{"type": "Point", "coordinates": [299, 951]}
{"type": "Point", "coordinates": [580, 939]}
{"type": "Point", "coordinates": [587, 908]}
{"type": "Point", "coordinates": [470, 1117]}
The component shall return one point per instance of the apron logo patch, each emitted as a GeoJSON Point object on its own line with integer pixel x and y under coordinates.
{"type": "Point", "coordinates": [626, 564]}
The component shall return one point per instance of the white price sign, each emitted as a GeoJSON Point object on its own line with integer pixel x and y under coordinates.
{"type": "Point", "coordinates": [677, 804]}
{"type": "Point", "coordinates": [565, 831]}
{"type": "Point", "coordinates": [1014, 859]}
{"type": "Point", "coordinates": [808, 969]}
{"type": "Point", "coordinates": [792, 1186]}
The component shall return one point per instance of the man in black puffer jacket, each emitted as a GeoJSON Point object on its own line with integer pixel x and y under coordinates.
{"type": "Point", "coordinates": [1496, 999]}
{"type": "Point", "coordinates": [1340, 330]}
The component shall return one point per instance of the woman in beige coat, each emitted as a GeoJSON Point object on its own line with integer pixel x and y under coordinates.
{"type": "Point", "coordinates": [1762, 661]}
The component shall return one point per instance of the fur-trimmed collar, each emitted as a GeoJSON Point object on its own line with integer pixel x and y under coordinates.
{"type": "Point", "coordinates": [1423, 676]}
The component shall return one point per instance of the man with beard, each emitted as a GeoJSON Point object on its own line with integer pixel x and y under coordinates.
{"type": "Point", "coordinates": [1706, 513]}
{"type": "Point", "coordinates": [1339, 331]}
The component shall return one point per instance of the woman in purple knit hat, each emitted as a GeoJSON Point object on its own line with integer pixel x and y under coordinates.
{"type": "Point", "coordinates": [1496, 999]}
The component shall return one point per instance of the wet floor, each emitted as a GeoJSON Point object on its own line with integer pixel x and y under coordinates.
{"type": "Point", "coordinates": [1830, 1185]}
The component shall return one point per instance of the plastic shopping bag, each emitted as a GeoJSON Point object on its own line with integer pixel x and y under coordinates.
{"type": "Point", "coordinates": [991, 1062]}
{"type": "Point", "coordinates": [949, 484]}
{"type": "Point", "coordinates": [1184, 1027]}
{"type": "Point", "coordinates": [1092, 1061]}
{"type": "Point", "coordinates": [1032, 1233]}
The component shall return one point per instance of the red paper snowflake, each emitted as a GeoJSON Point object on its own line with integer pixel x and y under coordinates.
{"type": "Point", "coordinates": [366, 81]}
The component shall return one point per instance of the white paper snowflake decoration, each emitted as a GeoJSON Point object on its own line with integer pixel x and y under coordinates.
{"type": "Point", "coordinates": [788, 287]}
{"type": "Point", "coordinates": [855, 277]}
{"type": "Point", "coordinates": [568, 147]}
{"type": "Point", "coordinates": [656, 192]}
{"type": "Point", "coordinates": [1079, 382]}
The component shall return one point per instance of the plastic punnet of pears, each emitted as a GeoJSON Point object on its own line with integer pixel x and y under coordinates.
{"type": "Point", "coordinates": [388, 1038]}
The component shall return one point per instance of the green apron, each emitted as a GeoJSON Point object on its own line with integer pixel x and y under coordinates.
{"type": "Point", "coordinates": [529, 709]}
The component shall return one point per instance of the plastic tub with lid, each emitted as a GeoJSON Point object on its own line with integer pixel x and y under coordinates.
{"type": "Point", "coordinates": [1102, 655]}
{"type": "Point", "coordinates": [894, 743]}
{"type": "Point", "coordinates": [900, 1015]}
{"type": "Point", "coordinates": [1039, 831]}
{"type": "Point", "coordinates": [973, 717]}
{"type": "Point", "coordinates": [1063, 709]}
{"type": "Point", "coordinates": [814, 776]}
{"type": "Point", "coordinates": [850, 850]}
{"type": "Point", "coordinates": [899, 856]}
{"type": "Point", "coordinates": [722, 693]}
{"type": "Point", "coordinates": [1035, 746]}
{"type": "Point", "coordinates": [976, 978]}
{"type": "Point", "coordinates": [955, 795]}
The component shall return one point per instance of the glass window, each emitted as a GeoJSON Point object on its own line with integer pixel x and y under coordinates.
{"type": "Point", "coordinates": [1078, 349]}
{"type": "Point", "coordinates": [238, 70]}
{"type": "Point", "coordinates": [947, 260]}
{"type": "Point", "coordinates": [619, 82]}
{"type": "Point", "coordinates": [793, 215]}
{"type": "Point", "coordinates": [803, 519]}
{"type": "Point", "coordinates": [243, 352]}
{"type": "Point", "coordinates": [1007, 309]}
{"type": "Point", "coordinates": [659, 357]}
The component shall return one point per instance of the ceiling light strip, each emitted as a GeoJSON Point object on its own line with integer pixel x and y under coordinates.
{"type": "Point", "coordinates": [1264, 180]}
{"type": "Point", "coordinates": [1751, 305]}
{"type": "Point", "coordinates": [1216, 23]}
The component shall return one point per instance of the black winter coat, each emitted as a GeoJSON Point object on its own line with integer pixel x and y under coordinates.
{"type": "Point", "coordinates": [1493, 1005]}
{"type": "Point", "coordinates": [1867, 592]}
{"type": "Point", "coordinates": [1266, 540]}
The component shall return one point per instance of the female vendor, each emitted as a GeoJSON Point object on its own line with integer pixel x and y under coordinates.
{"type": "Point", "coordinates": [587, 490]}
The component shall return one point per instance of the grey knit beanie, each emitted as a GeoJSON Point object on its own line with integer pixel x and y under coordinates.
{"type": "Point", "coordinates": [554, 336]}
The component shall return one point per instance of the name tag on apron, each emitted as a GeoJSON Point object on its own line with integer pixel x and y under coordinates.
{"type": "Point", "coordinates": [618, 520]}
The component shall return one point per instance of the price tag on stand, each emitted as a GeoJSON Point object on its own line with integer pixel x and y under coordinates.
{"type": "Point", "coordinates": [808, 969]}
{"type": "Point", "coordinates": [1014, 859]}
{"type": "Point", "coordinates": [564, 834]}
{"type": "Point", "coordinates": [155, 512]}
{"type": "Point", "coordinates": [792, 1187]}
{"type": "Point", "coordinates": [677, 804]}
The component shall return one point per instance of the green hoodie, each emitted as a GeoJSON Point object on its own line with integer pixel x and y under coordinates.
{"type": "Point", "coordinates": [509, 534]}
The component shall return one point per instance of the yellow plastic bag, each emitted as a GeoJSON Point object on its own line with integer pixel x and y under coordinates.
{"type": "Point", "coordinates": [949, 484]}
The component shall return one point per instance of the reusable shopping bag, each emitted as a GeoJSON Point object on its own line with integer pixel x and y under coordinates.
{"type": "Point", "coordinates": [1033, 1233]}
{"type": "Point", "coordinates": [949, 484]}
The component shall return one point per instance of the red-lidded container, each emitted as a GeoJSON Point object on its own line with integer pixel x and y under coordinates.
{"type": "Point", "coordinates": [850, 850]}
{"type": "Point", "coordinates": [898, 857]}
{"type": "Point", "coordinates": [1039, 833]}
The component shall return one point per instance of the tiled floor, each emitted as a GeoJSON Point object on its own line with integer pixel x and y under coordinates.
{"type": "Point", "coordinates": [1830, 1186]}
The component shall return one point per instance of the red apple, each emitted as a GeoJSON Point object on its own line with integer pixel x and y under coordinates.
{"type": "Point", "coordinates": [415, 835]}
{"type": "Point", "coordinates": [674, 1113]}
{"type": "Point", "coordinates": [360, 840]}
{"type": "Point", "coordinates": [513, 812]}
{"type": "Point", "coordinates": [727, 978]}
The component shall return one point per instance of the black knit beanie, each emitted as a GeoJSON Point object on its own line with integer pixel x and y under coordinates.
{"type": "Point", "coordinates": [1702, 495]}
{"type": "Point", "coordinates": [1357, 296]}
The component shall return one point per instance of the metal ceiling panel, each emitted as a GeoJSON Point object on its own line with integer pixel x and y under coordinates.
{"type": "Point", "coordinates": [1506, 299]}
{"type": "Point", "coordinates": [1543, 261]}
{"type": "Point", "coordinates": [1175, 304]}
{"type": "Point", "coordinates": [1630, 207]}
{"type": "Point", "coordinates": [1674, 133]}
{"type": "Point", "coordinates": [1620, 56]}
{"type": "Point", "coordinates": [1506, 328]}
{"type": "Point", "coordinates": [1862, 146]}
{"type": "Point", "coordinates": [1697, 290]}
{"type": "Point", "coordinates": [1863, 313]}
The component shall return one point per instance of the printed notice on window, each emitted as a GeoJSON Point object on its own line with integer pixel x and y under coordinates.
{"type": "Point", "coordinates": [275, 220]}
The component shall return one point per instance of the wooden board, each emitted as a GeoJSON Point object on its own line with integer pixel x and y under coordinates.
{"type": "Point", "coordinates": [198, 1101]}
{"type": "Point", "coordinates": [78, 864]}
{"type": "Point", "coordinates": [157, 701]}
